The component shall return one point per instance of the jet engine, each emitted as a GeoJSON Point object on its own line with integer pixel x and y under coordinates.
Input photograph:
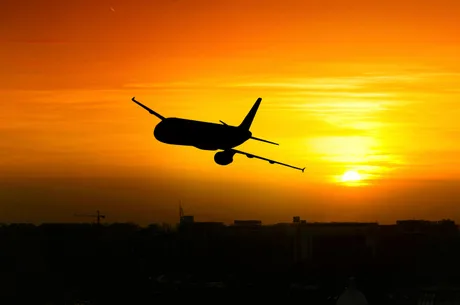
{"type": "Point", "coordinates": [224, 157]}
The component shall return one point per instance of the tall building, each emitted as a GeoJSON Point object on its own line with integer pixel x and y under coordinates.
{"type": "Point", "coordinates": [351, 295]}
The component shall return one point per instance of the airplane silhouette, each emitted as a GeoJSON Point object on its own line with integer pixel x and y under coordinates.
{"type": "Point", "coordinates": [210, 136]}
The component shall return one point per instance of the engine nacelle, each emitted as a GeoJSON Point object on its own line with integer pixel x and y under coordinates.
{"type": "Point", "coordinates": [223, 158]}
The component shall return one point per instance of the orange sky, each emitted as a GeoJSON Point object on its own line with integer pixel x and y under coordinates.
{"type": "Point", "coordinates": [346, 85]}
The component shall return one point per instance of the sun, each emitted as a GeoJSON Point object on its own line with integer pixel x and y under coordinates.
{"type": "Point", "coordinates": [351, 176]}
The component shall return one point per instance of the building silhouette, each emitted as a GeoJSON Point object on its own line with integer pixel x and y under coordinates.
{"type": "Point", "coordinates": [351, 295]}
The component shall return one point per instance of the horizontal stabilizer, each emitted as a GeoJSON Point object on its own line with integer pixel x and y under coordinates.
{"type": "Point", "coordinates": [262, 140]}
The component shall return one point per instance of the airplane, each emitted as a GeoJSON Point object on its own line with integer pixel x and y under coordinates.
{"type": "Point", "coordinates": [210, 136]}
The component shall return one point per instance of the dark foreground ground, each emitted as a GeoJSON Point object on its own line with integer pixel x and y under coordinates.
{"type": "Point", "coordinates": [124, 264]}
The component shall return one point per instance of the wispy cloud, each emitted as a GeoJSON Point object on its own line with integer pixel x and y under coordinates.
{"type": "Point", "coordinates": [341, 94]}
{"type": "Point", "coordinates": [350, 82]}
{"type": "Point", "coordinates": [163, 85]}
{"type": "Point", "coordinates": [365, 84]}
{"type": "Point", "coordinates": [37, 41]}
{"type": "Point", "coordinates": [295, 85]}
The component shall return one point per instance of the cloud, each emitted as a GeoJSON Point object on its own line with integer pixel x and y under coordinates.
{"type": "Point", "coordinates": [37, 41]}
{"type": "Point", "coordinates": [371, 84]}
{"type": "Point", "coordinates": [321, 128]}
{"type": "Point", "coordinates": [163, 85]}
{"type": "Point", "coordinates": [340, 94]}
{"type": "Point", "coordinates": [331, 83]}
{"type": "Point", "coordinates": [365, 85]}
{"type": "Point", "coordinates": [294, 85]}
{"type": "Point", "coordinates": [372, 102]}
{"type": "Point", "coordinates": [318, 84]}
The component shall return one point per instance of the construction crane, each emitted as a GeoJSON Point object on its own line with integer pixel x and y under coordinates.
{"type": "Point", "coordinates": [181, 211]}
{"type": "Point", "coordinates": [98, 216]}
{"type": "Point", "coordinates": [184, 218]}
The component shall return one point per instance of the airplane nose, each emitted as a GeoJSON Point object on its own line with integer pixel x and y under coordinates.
{"type": "Point", "coordinates": [158, 131]}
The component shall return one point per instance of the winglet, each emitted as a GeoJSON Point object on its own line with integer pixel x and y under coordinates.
{"type": "Point", "coordinates": [303, 169]}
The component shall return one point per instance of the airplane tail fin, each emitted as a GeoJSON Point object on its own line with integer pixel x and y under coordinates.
{"type": "Point", "coordinates": [246, 124]}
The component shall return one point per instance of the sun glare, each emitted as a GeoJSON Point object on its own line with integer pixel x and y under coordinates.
{"type": "Point", "coordinates": [351, 176]}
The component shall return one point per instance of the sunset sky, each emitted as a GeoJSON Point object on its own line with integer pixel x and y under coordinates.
{"type": "Point", "coordinates": [369, 86]}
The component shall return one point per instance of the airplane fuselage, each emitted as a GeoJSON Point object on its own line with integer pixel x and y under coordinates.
{"type": "Point", "coordinates": [202, 135]}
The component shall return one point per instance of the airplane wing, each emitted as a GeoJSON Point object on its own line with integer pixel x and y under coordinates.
{"type": "Point", "coordinates": [262, 158]}
{"type": "Point", "coordinates": [148, 109]}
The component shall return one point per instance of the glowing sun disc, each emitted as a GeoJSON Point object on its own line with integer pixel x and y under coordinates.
{"type": "Point", "coordinates": [351, 176]}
